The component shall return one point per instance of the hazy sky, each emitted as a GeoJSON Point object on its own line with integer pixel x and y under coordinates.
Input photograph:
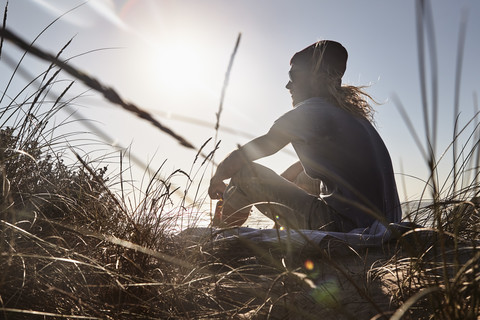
{"type": "Point", "coordinates": [170, 58]}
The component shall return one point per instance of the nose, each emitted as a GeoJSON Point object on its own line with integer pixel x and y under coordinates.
{"type": "Point", "coordinates": [289, 85]}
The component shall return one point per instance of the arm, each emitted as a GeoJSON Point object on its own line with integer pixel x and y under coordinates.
{"type": "Point", "coordinates": [257, 148]}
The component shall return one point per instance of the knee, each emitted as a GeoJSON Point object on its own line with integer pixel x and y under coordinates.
{"type": "Point", "coordinates": [252, 170]}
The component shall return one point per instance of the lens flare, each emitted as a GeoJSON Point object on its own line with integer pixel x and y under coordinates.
{"type": "Point", "coordinates": [309, 265]}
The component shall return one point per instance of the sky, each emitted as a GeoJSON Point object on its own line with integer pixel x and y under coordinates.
{"type": "Point", "coordinates": [170, 58]}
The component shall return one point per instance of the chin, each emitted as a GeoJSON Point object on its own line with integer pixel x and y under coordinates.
{"type": "Point", "coordinates": [294, 101]}
{"type": "Point", "coordinates": [297, 98]}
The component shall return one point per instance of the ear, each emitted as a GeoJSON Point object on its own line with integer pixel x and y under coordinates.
{"type": "Point", "coordinates": [319, 85]}
{"type": "Point", "coordinates": [318, 81]}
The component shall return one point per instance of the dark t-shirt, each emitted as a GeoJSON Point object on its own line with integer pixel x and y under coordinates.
{"type": "Point", "coordinates": [349, 156]}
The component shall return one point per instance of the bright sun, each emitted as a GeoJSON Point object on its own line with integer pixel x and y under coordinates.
{"type": "Point", "coordinates": [180, 67]}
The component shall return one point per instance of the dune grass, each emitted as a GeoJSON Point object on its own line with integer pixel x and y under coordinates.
{"type": "Point", "coordinates": [73, 244]}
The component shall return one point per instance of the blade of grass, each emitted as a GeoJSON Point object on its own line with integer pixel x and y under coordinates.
{"type": "Point", "coordinates": [3, 27]}
{"type": "Point", "coordinates": [109, 93]}
{"type": "Point", "coordinates": [220, 107]}
{"type": "Point", "coordinates": [47, 314]}
{"type": "Point", "coordinates": [411, 301]}
{"type": "Point", "coordinates": [421, 66]}
{"type": "Point", "coordinates": [476, 164]}
{"type": "Point", "coordinates": [430, 30]}
{"type": "Point", "coordinates": [224, 88]}
{"type": "Point", "coordinates": [458, 78]}
{"type": "Point", "coordinates": [225, 82]}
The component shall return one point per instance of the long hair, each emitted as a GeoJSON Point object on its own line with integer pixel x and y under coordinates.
{"type": "Point", "coordinates": [350, 98]}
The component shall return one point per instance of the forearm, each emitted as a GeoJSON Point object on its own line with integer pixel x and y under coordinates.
{"type": "Point", "coordinates": [257, 148]}
{"type": "Point", "coordinates": [230, 165]}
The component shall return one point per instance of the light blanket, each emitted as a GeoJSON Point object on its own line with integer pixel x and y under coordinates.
{"type": "Point", "coordinates": [373, 236]}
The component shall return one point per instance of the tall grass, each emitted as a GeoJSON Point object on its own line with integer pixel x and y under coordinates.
{"type": "Point", "coordinates": [439, 279]}
{"type": "Point", "coordinates": [73, 243]}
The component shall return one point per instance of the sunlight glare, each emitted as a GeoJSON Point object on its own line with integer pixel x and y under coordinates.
{"type": "Point", "coordinates": [179, 67]}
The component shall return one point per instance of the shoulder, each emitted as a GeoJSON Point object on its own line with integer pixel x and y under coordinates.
{"type": "Point", "coordinates": [320, 112]}
{"type": "Point", "coordinates": [327, 112]}
{"type": "Point", "coordinates": [315, 114]}
{"type": "Point", "coordinates": [313, 102]}
{"type": "Point", "coordinates": [311, 107]}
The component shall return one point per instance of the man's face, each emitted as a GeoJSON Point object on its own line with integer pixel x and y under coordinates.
{"type": "Point", "coordinates": [299, 85]}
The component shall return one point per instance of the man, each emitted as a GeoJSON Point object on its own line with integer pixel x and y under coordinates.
{"type": "Point", "coordinates": [344, 177]}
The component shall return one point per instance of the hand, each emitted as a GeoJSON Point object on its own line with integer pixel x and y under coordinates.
{"type": "Point", "coordinates": [216, 189]}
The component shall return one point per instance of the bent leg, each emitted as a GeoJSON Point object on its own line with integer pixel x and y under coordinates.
{"type": "Point", "coordinates": [277, 198]}
{"type": "Point", "coordinates": [227, 217]}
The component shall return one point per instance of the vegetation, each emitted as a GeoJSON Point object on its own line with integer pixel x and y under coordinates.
{"type": "Point", "coordinates": [70, 247]}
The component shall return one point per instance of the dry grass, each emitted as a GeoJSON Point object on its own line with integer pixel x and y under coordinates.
{"type": "Point", "coordinates": [70, 247]}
